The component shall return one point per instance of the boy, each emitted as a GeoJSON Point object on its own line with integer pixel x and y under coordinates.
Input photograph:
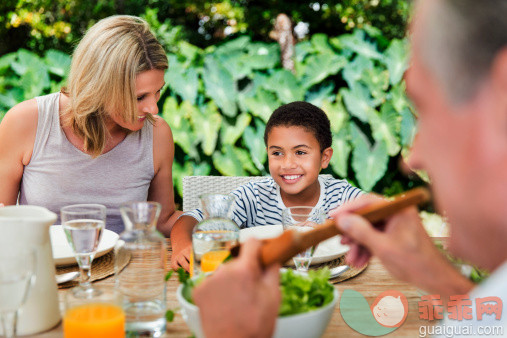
{"type": "Point", "coordinates": [298, 140]}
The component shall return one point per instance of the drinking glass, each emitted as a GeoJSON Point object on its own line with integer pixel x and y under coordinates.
{"type": "Point", "coordinates": [303, 219]}
{"type": "Point", "coordinates": [17, 268]}
{"type": "Point", "coordinates": [99, 315]}
{"type": "Point", "coordinates": [83, 225]}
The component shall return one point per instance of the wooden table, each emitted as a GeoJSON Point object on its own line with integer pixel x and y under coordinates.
{"type": "Point", "coordinates": [370, 283]}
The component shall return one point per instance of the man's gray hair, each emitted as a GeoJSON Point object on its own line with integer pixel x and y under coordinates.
{"type": "Point", "coordinates": [461, 40]}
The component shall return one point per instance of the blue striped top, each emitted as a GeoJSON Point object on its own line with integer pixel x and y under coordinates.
{"type": "Point", "coordinates": [259, 203]}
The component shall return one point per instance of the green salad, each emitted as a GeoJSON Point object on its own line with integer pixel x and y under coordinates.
{"type": "Point", "coordinates": [300, 293]}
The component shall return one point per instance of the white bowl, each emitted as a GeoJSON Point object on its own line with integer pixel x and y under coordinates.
{"type": "Point", "coordinates": [302, 325]}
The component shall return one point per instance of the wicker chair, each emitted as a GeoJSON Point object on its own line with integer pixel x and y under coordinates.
{"type": "Point", "coordinates": [194, 186]}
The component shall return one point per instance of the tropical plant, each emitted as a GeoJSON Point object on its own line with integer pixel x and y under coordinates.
{"type": "Point", "coordinates": [217, 101]}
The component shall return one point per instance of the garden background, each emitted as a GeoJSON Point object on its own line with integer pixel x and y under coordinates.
{"type": "Point", "coordinates": [225, 76]}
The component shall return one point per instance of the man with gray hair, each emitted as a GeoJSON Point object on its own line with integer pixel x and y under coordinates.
{"type": "Point", "coordinates": [458, 83]}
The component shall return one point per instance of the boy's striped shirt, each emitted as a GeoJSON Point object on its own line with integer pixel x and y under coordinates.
{"type": "Point", "coordinates": [259, 203]}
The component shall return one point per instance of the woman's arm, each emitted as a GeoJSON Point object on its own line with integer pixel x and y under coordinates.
{"type": "Point", "coordinates": [161, 187]}
{"type": "Point", "coordinates": [17, 137]}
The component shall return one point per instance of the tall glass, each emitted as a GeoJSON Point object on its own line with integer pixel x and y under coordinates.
{"type": "Point", "coordinates": [83, 225]}
{"type": "Point", "coordinates": [17, 270]}
{"type": "Point", "coordinates": [99, 316]}
{"type": "Point", "coordinates": [303, 219]}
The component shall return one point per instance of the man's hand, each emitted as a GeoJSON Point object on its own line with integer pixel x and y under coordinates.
{"type": "Point", "coordinates": [403, 246]}
{"type": "Point", "coordinates": [240, 299]}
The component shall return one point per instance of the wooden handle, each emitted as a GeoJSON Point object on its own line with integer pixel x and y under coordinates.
{"type": "Point", "coordinates": [280, 249]}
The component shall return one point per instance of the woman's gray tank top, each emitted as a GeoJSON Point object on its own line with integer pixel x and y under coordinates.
{"type": "Point", "coordinates": [59, 174]}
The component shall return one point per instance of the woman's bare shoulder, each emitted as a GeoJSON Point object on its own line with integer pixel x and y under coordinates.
{"type": "Point", "coordinates": [18, 129]}
{"type": "Point", "coordinates": [22, 118]}
{"type": "Point", "coordinates": [161, 131]}
{"type": "Point", "coordinates": [163, 143]}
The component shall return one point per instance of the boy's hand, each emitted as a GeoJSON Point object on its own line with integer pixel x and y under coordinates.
{"type": "Point", "coordinates": [181, 257]}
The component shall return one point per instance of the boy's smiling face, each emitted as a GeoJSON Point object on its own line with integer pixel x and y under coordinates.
{"type": "Point", "coordinates": [295, 161]}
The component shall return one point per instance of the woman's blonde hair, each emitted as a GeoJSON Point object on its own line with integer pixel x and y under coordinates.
{"type": "Point", "coordinates": [102, 76]}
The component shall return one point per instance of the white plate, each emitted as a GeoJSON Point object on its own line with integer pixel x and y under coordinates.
{"type": "Point", "coordinates": [62, 252]}
{"type": "Point", "coordinates": [326, 251]}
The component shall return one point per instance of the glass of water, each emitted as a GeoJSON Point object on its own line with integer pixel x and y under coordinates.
{"type": "Point", "coordinates": [83, 225]}
{"type": "Point", "coordinates": [303, 219]}
{"type": "Point", "coordinates": [17, 268]}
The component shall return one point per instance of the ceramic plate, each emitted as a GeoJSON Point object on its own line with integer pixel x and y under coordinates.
{"type": "Point", "coordinates": [326, 251]}
{"type": "Point", "coordinates": [62, 252]}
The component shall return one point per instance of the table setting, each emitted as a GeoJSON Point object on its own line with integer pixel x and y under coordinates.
{"type": "Point", "coordinates": [99, 291]}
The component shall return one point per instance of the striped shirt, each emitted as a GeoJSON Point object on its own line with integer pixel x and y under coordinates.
{"type": "Point", "coordinates": [259, 203]}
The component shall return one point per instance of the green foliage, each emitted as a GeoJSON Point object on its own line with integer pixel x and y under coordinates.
{"type": "Point", "coordinates": [24, 75]}
{"type": "Point", "coordinates": [39, 25]}
{"type": "Point", "coordinates": [218, 100]}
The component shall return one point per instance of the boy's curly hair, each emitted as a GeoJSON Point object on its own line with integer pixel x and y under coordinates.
{"type": "Point", "coordinates": [305, 115]}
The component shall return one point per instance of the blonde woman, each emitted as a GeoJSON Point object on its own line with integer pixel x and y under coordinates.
{"type": "Point", "coordinates": [97, 140]}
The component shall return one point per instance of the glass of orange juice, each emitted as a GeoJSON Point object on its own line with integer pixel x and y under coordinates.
{"type": "Point", "coordinates": [100, 315]}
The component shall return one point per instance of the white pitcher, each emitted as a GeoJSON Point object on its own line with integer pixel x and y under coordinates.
{"type": "Point", "coordinates": [28, 226]}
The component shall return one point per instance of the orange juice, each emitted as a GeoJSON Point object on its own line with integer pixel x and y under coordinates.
{"type": "Point", "coordinates": [212, 259]}
{"type": "Point", "coordinates": [94, 320]}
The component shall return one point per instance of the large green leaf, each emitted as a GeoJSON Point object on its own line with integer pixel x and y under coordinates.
{"type": "Point", "coordinates": [180, 171]}
{"type": "Point", "coordinates": [184, 137]}
{"type": "Point", "coordinates": [385, 127]}
{"type": "Point", "coordinates": [254, 140]}
{"type": "Point", "coordinates": [396, 60]}
{"type": "Point", "coordinates": [318, 67]}
{"type": "Point", "coordinates": [201, 169]}
{"type": "Point", "coordinates": [377, 81]}
{"type": "Point", "coordinates": [262, 104]}
{"type": "Point", "coordinates": [236, 64]}
{"type": "Point", "coordinates": [353, 71]}
{"type": "Point", "coordinates": [11, 97]}
{"type": "Point", "coordinates": [359, 43]}
{"type": "Point", "coordinates": [178, 120]}
{"type": "Point", "coordinates": [206, 125]}
{"type": "Point", "coordinates": [337, 115]}
{"type": "Point", "coordinates": [227, 163]}
{"type": "Point", "coordinates": [369, 163]}
{"type": "Point", "coordinates": [234, 45]}
{"type": "Point", "coordinates": [58, 62]}
{"type": "Point", "coordinates": [231, 133]}
{"type": "Point", "coordinates": [220, 86]}
{"type": "Point", "coordinates": [285, 85]}
{"type": "Point", "coordinates": [357, 102]}
{"type": "Point", "coordinates": [303, 48]}
{"type": "Point", "coordinates": [408, 127]}
{"type": "Point", "coordinates": [183, 82]}
{"type": "Point", "coordinates": [246, 161]}
{"type": "Point", "coordinates": [188, 51]}
{"type": "Point", "coordinates": [341, 152]}
{"type": "Point", "coordinates": [170, 112]}
{"type": "Point", "coordinates": [321, 44]}
{"type": "Point", "coordinates": [34, 81]}
{"type": "Point", "coordinates": [262, 55]}
{"type": "Point", "coordinates": [6, 60]}
{"type": "Point", "coordinates": [320, 93]}
{"type": "Point", "coordinates": [398, 97]}
{"type": "Point", "coordinates": [28, 61]}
